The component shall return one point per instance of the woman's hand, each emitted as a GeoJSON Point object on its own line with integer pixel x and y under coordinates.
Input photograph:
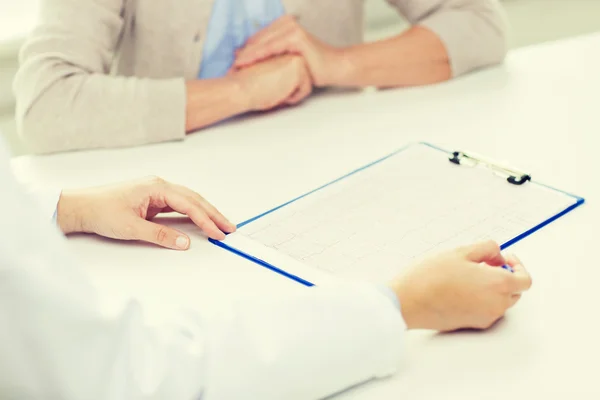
{"type": "Point", "coordinates": [273, 82]}
{"type": "Point", "coordinates": [287, 36]}
{"type": "Point", "coordinates": [124, 211]}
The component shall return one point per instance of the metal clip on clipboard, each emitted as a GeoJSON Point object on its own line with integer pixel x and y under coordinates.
{"type": "Point", "coordinates": [512, 175]}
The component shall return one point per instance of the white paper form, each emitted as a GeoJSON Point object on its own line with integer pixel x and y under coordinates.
{"type": "Point", "coordinates": [370, 224]}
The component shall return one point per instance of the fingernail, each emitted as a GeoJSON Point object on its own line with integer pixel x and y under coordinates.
{"type": "Point", "coordinates": [182, 242]}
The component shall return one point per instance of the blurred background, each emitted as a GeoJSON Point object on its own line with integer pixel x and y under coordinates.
{"type": "Point", "coordinates": [533, 21]}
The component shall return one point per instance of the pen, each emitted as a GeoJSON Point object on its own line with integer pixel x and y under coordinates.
{"type": "Point", "coordinates": [508, 268]}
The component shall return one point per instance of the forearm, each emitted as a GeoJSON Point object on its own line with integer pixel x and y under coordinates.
{"type": "Point", "coordinates": [84, 111]}
{"type": "Point", "coordinates": [416, 57]}
{"type": "Point", "coordinates": [213, 100]}
{"type": "Point", "coordinates": [260, 345]}
{"type": "Point", "coordinates": [323, 331]}
{"type": "Point", "coordinates": [448, 38]}
{"type": "Point", "coordinates": [67, 97]}
{"type": "Point", "coordinates": [473, 32]}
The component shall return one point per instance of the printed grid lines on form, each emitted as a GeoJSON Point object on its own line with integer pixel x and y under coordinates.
{"type": "Point", "coordinates": [366, 222]}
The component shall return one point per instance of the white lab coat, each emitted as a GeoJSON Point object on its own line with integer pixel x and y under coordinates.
{"type": "Point", "coordinates": [56, 342]}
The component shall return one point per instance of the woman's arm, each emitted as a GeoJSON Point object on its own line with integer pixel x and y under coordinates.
{"type": "Point", "coordinates": [448, 38]}
{"type": "Point", "coordinates": [472, 32]}
{"type": "Point", "coordinates": [66, 99]}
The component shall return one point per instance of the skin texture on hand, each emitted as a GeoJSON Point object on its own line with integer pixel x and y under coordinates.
{"type": "Point", "coordinates": [415, 57]}
{"type": "Point", "coordinates": [286, 36]}
{"type": "Point", "coordinates": [280, 80]}
{"type": "Point", "coordinates": [462, 288]}
{"type": "Point", "coordinates": [270, 83]}
{"type": "Point", "coordinates": [125, 212]}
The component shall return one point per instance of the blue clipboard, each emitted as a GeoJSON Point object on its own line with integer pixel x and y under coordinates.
{"type": "Point", "coordinates": [511, 177]}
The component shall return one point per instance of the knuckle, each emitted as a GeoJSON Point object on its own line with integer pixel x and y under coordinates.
{"type": "Point", "coordinates": [161, 234]}
{"type": "Point", "coordinates": [491, 244]}
{"type": "Point", "coordinates": [488, 246]}
{"type": "Point", "coordinates": [298, 35]}
{"type": "Point", "coordinates": [129, 231]}
{"type": "Point", "coordinates": [203, 223]}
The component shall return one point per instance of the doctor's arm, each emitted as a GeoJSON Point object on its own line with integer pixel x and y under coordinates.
{"type": "Point", "coordinates": [58, 341]}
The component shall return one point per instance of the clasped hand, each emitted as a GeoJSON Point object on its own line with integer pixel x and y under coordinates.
{"type": "Point", "coordinates": [280, 64]}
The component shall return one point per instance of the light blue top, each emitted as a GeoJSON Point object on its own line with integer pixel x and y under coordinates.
{"type": "Point", "coordinates": [231, 24]}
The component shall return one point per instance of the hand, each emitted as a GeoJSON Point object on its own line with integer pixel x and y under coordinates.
{"type": "Point", "coordinates": [277, 81]}
{"type": "Point", "coordinates": [464, 288]}
{"type": "Point", "coordinates": [124, 211]}
{"type": "Point", "coordinates": [286, 36]}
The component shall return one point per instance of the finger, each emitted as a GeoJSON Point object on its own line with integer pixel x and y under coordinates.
{"type": "Point", "coordinates": [159, 234]}
{"type": "Point", "coordinates": [521, 279]}
{"type": "Point", "coordinates": [184, 205]}
{"type": "Point", "coordinates": [273, 29]}
{"type": "Point", "coordinates": [215, 215]}
{"type": "Point", "coordinates": [283, 42]}
{"type": "Point", "coordinates": [219, 219]}
{"type": "Point", "coordinates": [153, 212]}
{"type": "Point", "coordinates": [258, 53]}
{"type": "Point", "coordinates": [301, 93]}
{"type": "Point", "coordinates": [295, 98]}
{"type": "Point", "coordinates": [485, 252]}
{"type": "Point", "coordinates": [257, 44]}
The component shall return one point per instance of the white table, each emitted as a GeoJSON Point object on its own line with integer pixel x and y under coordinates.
{"type": "Point", "coordinates": [540, 111]}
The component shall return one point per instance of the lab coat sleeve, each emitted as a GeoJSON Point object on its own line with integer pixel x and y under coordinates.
{"type": "Point", "coordinates": [57, 341]}
{"type": "Point", "coordinates": [47, 202]}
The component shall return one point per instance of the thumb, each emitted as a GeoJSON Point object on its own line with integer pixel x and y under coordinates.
{"type": "Point", "coordinates": [520, 276]}
{"type": "Point", "coordinates": [485, 252]}
{"type": "Point", "coordinates": [161, 235]}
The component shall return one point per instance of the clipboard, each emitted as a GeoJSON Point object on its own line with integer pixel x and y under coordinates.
{"type": "Point", "coordinates": [478, 199]}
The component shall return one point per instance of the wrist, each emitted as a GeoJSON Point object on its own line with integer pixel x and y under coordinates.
{"type": "Point", "coordinates": [239, 93]}
{"type": "Point", "coordinates": [343, 68]}
{"type": "Point", "coordinates": [212, 100]}
{"type": "Point", "coordinates": [408, 304]}
{"type": "Point", "coordinates": [68, 212]}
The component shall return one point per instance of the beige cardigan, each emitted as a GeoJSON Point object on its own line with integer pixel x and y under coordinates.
{"type": "Point", "coordinates": [109, 73]}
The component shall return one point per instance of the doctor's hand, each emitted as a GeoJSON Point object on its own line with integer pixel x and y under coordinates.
{"type": "Point", "coordinates": [125, 212]}
{"type": "Point", "coordinates": [463, 288]}
{"type": "Point", "coordinates": [274, 82]}
{"type": "Point", "coordinates": [287, 36]}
